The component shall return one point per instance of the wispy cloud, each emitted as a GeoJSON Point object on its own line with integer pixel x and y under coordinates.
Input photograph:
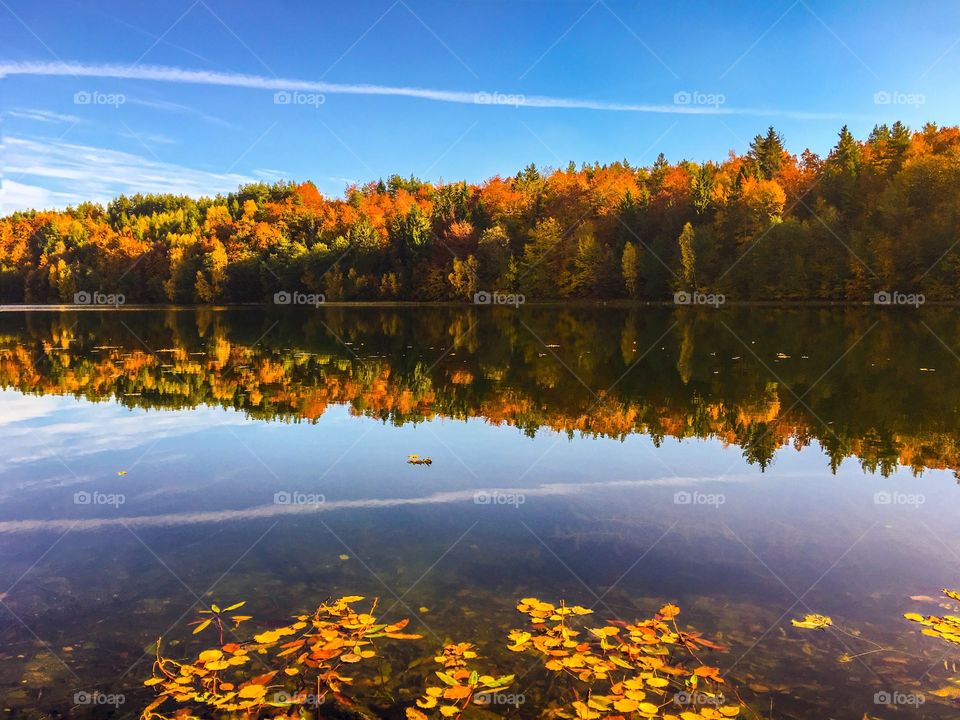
{"type": "Point", "coordinates": [70, 172]}
{"type": "Point", "coordinates": [149, 137]}
{"type": "Point", "coordinates": [45, 116]}
{"type": "Point", "coordinates": [179, 108]}
{"type": "Point", "coordinates": [259, 82]}
{"type": "Point", "coordinates": [23, 196]}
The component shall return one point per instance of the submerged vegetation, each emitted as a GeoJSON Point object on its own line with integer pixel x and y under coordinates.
{"type": "Point", "coordinates": [643, 670]}
{"type": "Point", "coordinates": [872, 215]}
{"type": "Point", "coordinates": [614, 670]}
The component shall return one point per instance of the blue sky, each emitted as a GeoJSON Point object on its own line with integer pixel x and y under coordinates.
{"type": "Point", "coordinates": [105, 97]}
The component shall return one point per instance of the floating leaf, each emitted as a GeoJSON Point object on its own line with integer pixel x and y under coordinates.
{"type": "Point", "coordinates": [253, 692]}
{"type": "Point", "coordinates": [813, 622]}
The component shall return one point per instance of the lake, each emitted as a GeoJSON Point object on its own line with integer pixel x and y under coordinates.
{"type": "Point", "coordinates": [751, 465]}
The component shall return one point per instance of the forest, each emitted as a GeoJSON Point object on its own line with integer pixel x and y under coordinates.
{"type": "Point", "coordinates": [876, 215]}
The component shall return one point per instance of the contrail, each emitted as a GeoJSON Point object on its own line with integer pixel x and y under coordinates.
{"type": "Point", "coordinates": [161, 73]}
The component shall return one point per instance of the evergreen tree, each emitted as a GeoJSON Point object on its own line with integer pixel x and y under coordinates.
{"type": "Point", "coordinates": [767, 154]}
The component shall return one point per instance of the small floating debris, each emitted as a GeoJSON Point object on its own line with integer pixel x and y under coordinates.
{"type": "Point", "coordinates": [813, 622]}
{"type": "Point", "coordinates": [417, 460]}
{"type": "Point", "coordinates": [782, 356]}
{"type": "Point", "coordinates": [928, 369]}
{"type": "Point", "coordinates": [344, 557]}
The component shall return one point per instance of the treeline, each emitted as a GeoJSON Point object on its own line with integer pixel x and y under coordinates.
{"type": "Point", "coordinates": [878, 214]}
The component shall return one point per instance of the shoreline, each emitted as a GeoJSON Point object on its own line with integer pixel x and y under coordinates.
{"type": "Point", "coordinates": [419, 304]}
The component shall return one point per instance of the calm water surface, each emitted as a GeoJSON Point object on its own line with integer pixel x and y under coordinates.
{"type": "Point", "coordinates": [749, 465]}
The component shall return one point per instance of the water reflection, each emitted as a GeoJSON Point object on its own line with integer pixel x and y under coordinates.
{"type": "Point", "coordinates": [878, 387]}
{"type": "Point", "coordinates": [635, 440]}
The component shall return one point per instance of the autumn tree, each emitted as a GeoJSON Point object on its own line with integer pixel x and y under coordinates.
{"type": "Point", "coordinates": [631, 270]}
{"type": "Point", "coordinates": [687, 278]}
